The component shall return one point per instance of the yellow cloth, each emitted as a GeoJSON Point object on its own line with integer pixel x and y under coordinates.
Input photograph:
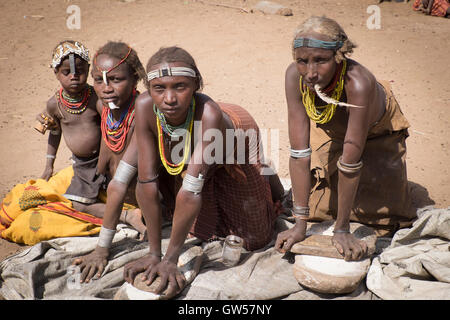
{"type": "Point", "coordinates": [37, 211]}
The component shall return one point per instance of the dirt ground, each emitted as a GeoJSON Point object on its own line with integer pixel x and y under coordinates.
{"type": "Point", "coordinates": [242, 57]}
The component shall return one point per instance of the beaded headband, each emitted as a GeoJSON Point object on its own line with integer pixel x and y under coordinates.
{"type": "Point", "coordinates": [314, 43]}
{"type": "Point", "coordinates": [171, 71]}
{"type": "Point", "coordinates": [66, 48]}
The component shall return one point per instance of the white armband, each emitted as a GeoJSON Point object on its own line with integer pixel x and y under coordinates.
{"type": "Point", "coordinates": [193, 184]}
{"type": "Point", "coordinates": [105, 237]}
{"type": "Point", "coordinates": [124, 172]}
{"type": "Point", "coordinates": [301, 153]}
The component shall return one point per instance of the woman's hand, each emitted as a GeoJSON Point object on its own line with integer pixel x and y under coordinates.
{"type": "Point", "coordinates": [171, 278]}
{"type": "Point", "coordinates": [94, 262]}
{"type": "Point", "coordinates": [48, 171]}
{"type": "Point", "coordinates": [286, 239]}
{"type": "Point", "coordinates": [146, 263]}
{"type": "Point", "coordinates": [350, 247]}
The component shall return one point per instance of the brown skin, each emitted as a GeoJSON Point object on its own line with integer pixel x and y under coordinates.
{"type": "Point", "coordinates": [121, 83]}
{"type": "Point", "coordinates": [361, 88]}
{"type": "Point", "coordinates": [173, 96]}
{"type": "Point", "coordinates": [81, 131]}
{"type": "Point", "coordinates": [426, 7]}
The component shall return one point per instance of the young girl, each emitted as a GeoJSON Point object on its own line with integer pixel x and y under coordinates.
{"type": "Point", "coordinates": [72, 111]}
{"type": "Point", "coordinates": [116, 72]}
{"type": "Point", "coordinates": [353, 153]}
{"type": "Point", "coordinates": [208, 196]}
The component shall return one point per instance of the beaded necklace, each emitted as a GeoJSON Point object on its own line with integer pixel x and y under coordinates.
{"type": "Point", "coordinates": [115, 133]}
{"type": "Point", "coordinates": [174, 169]}
{"type": "Point", "coordinates": [322, 114]}
{"type": "Point", "coordinates": [168, 128]}
{"type": "Point", "coordinates": [74, 105]}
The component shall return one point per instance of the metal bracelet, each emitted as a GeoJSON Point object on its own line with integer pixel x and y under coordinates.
{"type": "Point", "coordinates": [299, 210]}
{"type": "Point", "coordinates": [124, 172]}
{"type": "Point", "coordinates": [305, 153]}
{"type": "Point", "coordinates": [349, 167]}
{"type": "Point", "coordinates": [105, 237]}
{"type": "Point", "coordinates": [149, 180]}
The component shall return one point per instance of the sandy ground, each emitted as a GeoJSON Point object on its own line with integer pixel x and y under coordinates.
{"type": "Point", "coordinates": [242, 57]}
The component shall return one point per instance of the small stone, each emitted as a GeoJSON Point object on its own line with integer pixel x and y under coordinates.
{"type": "Point", "coordinates": [269, 7]}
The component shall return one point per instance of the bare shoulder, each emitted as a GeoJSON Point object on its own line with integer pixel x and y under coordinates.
{"type": "Point", "coordinates": [291, 83]}
{"type": "Point", "coordinates": [292, 72]}
{"type": "Point", "coordinates": [358, 79]}
{"type": "Point", "coordinates": [210, 110]}
{"type": "Point", "coordinates": [93, 97]}
{"type": "Point", "coordinates": [99, 106]}
{"type": "Point", "coordinates": [143, 102]}
{"type": "Point", "coordinates": [52, 105]}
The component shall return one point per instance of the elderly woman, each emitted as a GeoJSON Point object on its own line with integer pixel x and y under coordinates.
{"type": "Point", "coordinates": [347, 136]}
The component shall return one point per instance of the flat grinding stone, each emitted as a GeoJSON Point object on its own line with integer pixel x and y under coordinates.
{"type": "Point", "coordinates": [318, 241]}
{"type": "Point", "coordinates": [321, 268]}
{"type": "Point", "coordinates": [189, 264]}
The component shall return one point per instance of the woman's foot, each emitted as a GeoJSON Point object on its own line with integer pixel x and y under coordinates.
{"type": "Point", "coordinates": [133, 217]}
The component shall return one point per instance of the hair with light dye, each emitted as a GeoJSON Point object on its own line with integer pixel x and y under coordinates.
{"type": "Point", "coordinates": [329, 28]}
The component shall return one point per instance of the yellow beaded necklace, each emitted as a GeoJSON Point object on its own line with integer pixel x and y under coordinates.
{"type": "Point", "coordinates": [175, 169]}
{"type": "Point", "coordinates": [325, 113]}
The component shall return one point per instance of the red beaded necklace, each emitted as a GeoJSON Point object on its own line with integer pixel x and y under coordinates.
{"type": "Point", "coordinates": [332, 85]}
{"type": "Point", "coordinates": [75, 107]}
{"type": "Point", "coordinates": [115, 137]}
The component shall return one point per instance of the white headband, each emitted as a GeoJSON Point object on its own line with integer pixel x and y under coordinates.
{"type": "Point", "coordinates": [171, 71]}
{"type": "Point", "coordinates": [67, 48]}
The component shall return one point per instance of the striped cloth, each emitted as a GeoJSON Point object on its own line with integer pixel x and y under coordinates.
{"type": "Point", "coordinates": [440, 7]}
{"type": "Point", "coordinates": [236, 198]}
